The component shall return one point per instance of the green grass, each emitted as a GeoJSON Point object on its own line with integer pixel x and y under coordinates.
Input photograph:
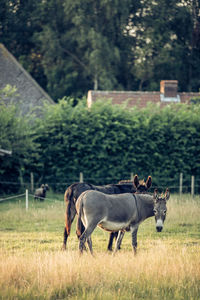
{"type": "Point", "coordinates": [32, 265]}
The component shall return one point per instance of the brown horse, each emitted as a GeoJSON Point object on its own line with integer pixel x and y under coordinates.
{"type": "Point", "coordinates": [75, 190]}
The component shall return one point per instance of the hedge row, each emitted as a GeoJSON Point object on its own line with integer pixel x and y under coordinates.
{"type": "Point", "coordinates": [109, 142]}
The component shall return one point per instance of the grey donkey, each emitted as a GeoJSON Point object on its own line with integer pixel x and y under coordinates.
{"type": "Point", "coordinates": [118, 212]}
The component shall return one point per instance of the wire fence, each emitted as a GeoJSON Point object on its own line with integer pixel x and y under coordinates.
{"type": "Point", "coordinates": [28, 195]}
{"type": "Point", "coordinates": [180, 183]}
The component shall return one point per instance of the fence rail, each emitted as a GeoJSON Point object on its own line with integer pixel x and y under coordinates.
{"type": "Point", "coordinates": [11, 197]}
{"type": "Point", "coordinates": [27, 198]}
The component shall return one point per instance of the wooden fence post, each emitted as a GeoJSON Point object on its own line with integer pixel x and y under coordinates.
{"type": "Point", "coordinates": [81, 177]}
{"type": "Point", "coordinates": [181, 184]}
{"type": "Point", "coordinates": [132, 176]}
{"type": "Point", "coordinates": [26, 200]}
{"type": "Point", "coordinates": [192, 186]}
{"type": "Point", "coordinates": [32, 183]}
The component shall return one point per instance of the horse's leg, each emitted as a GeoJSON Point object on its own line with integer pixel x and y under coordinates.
{"type": "Point", "coordinates": [111, 238]}
{"type": "Point", "coordinates": [73, 213]}
{"type": "Point", "coordinates": [65, 239]}
{"type": "Point", "coordinates": [134, 230]}
{"type": "Point", "coordinates": [119, 240]}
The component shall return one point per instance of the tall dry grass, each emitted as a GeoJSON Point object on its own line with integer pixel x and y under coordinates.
{"type": "Point", "coordinates": [158, 273]}
{"type": "Point", "coordinates": [167, 265]}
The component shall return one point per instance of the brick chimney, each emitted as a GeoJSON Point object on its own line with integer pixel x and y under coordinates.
{"type": "Point", "coordinates": [169, 88]}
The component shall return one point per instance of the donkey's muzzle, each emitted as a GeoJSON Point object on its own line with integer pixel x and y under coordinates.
{"type": "Point", "coordinates": [159, 225]}
{"type": "Point", "coordinates": [159, 228]}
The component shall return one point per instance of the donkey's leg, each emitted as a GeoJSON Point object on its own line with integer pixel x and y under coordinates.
{"type": "Point", "coordinates": [119, 240]}
{"type": "Point", "coordinates": [111, 238]}
{"type": "Point", "coordinates": [89, 242]}
{"type": "Point", "coordinates": [73, 214]}
{"type": "Point", "coordinates": [82, 228]}
{"type": "Point", "coordinates": [86, 236]}
{"type": "Point", "coordinates": [79, 234]}
{"type": "Point", "coordinates": [134, 230]}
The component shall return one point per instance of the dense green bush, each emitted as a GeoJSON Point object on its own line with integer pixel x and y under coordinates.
{"type": "Point", "coordinates": [107, 143]}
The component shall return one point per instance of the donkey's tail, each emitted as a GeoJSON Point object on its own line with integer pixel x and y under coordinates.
{"type": "Point", "coordinates": [68, 200]}
{"type": "Point", "coordinates": [79, 222]}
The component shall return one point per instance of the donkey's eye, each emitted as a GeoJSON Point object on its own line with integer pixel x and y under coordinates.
{"type": "Point", "coordinates": [164, 212]}
{"type": "Point", "coordinates": [155, 211]}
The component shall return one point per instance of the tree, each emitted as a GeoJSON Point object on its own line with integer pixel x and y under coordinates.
{"type": "Point", "coordinates": [19, 20]}
{"type": "Point", "coordinates": [166, 47]}
{"type": "Point", "coordinates": [73, 46]}
{"type": "Point", "coordinates": [85, 45]}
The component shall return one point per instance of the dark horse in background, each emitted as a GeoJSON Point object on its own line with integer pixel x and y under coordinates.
{"type": "Point", "coordinates": [40, 193]}
{"type": "Point", "coordinates": [76, 189]}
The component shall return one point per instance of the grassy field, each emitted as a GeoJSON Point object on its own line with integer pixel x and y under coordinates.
{"type": "Point", "coordinates": [32, 265]}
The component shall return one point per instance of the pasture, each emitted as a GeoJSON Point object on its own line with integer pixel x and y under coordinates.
{"type": "Point", "coordinates": [32, 265]}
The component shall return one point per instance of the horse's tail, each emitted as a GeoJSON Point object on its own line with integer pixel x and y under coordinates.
{"type": "Point", "coordinates": [68, 198]}
{"type": "Point", "coordinates": [79, 222]}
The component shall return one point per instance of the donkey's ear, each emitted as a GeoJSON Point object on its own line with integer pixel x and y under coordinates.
{"type": "Point", "coordinates": [136, 181]}
{"type": "Point", "coordinates": [167, 194]}
{"type": "Point", "coordinates": [155, 195]}
{"type": "Point", "coordinates": [148, 182]}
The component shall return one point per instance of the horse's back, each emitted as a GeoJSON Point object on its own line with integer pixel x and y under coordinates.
{"type": "Point", "coordinates": [75, 190]}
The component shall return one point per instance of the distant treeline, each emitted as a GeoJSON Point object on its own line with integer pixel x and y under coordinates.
{"type": "Point", "coordinates": [72, 46]}
{"type": "Point", "coordinates": [106, 143]}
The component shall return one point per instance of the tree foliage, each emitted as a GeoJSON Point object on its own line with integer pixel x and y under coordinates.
{"type": "Point", "coordinates": [168, 35]}
{"type": "Point", "coordinates": [72, 46]}
{"type": "Point", "coordinates": [15, 135]}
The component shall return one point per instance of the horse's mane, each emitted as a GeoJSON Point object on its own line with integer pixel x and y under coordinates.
{"type": "Point", "coordinates": [125, 181]}
{"type": "Point", "coordinates": [141, 181]}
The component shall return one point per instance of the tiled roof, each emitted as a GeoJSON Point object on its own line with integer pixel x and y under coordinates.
{"type": "Point", "coordinates": [139, 99]}
{"type": "Point", "coordinates": [31, 95]}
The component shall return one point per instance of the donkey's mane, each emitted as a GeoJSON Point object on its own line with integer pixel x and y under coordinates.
{"type": "Point", "coordinates": [147, 198]}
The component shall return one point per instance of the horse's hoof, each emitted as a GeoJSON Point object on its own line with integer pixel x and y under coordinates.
{"type": "Point", "coordinates": [84, 248]}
